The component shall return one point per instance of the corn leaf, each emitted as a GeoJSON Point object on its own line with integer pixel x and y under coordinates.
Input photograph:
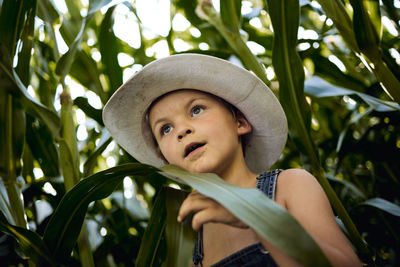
{"type": "Point", "coordinates": [91, 161]}
{"type": "Point", "coordinates": [43, 147]}
{"type": "Point", "coordinates": [163, 229]}
{"type": "Point", "coordinates": [368, 41]}
{"type": "Point", "coordinates": [289, 71]}
{"type": "Point", "coordinates": [153, 234]}
{"type": "Point", "coordinates": [12, 15]}
{"type": "Point", "coordinates": [318, 87]}
{"type": "Point", "coordinates": [257, 211]}
{"type": "Point", "coordinates": [230, 14]}
{"type": "Point", "coordinates": [180, 237]}
{"type": "Point", "coordinates": [336, 11]}
{"type": "Point", "coordinates": [384, 205]}
{"type": "Point", "coordinates": [109, 48]}
{"type": "Point", "coordinates": [31, 242]}
{"type": "Point", "coordinates": [63, 228]}
{"type": "Point", "coordinates": [149, 253]}
{"type": "Point", "coordinates": [11, 81]}
{"type": "Point", "coordinates": [65, 62]}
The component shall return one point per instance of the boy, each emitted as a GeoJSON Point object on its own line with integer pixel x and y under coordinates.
{"type": "Point", "coordinates": [205, 114]}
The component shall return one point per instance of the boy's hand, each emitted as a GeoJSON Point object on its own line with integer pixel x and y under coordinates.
{"type": "Point", "coordinates": [206, 210]}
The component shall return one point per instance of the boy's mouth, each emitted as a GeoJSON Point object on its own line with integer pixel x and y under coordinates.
{"type": "Point", "coordinates": [191, 147]}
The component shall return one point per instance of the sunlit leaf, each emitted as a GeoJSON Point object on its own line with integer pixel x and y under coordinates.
{"type": "Point", "coordinates": [91, 112]}
{"type": "Point", "coordinates": [368, 41]}
{"type": "Point", "coordinates": [289, 71]}
{"type": "Point", "coordinates": [331, 73]}
{"type": "Point", "coordinates": [85, 70]}
{"type": "Point", "coordinates": [336, 11]}
{"type": "Point", "coordinates": [9, 77]}
{"type": "Point", "coordinates": [109, 50]}
{"type": "Point", "coordinates": [96, 5]}
{"type": "Point", "coordinates": [227, 9]}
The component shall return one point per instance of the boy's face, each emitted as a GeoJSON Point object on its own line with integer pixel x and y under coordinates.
{"type": "Point", "coordinates": [197, 132]}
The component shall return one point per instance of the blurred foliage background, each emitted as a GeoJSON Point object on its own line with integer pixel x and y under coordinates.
{"type": "Point", "coordinates": [61, 61]}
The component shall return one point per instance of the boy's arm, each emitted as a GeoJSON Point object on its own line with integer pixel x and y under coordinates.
{"type": "Point", "coordinates": [303, 197]}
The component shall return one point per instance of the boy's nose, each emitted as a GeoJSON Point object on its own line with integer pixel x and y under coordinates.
{"type": "Point", "coordinates": [183, 133]}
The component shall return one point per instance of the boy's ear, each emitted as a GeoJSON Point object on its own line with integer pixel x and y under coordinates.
{"type": "Point", "coordinates": [244, 127]}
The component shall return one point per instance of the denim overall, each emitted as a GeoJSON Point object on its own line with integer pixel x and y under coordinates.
{"type": "Point", "coordinates": [255, 254]}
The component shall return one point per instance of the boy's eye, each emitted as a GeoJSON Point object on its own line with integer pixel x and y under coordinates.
{"type": "Point", "coordinates": [166, 129]}
{"type": "Point", "coordinates": [197, 110]}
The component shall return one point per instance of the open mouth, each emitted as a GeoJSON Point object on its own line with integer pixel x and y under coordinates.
{"type": "Point", "coordinates": [191, 147]}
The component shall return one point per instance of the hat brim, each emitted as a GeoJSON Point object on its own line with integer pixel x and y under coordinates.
{"type": "Point", "coordinates": [124, 115]}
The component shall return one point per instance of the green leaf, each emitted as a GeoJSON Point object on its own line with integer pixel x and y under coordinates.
{"type": "Point", "coordinates": [331, 73]}
{"type": "Point", "coordinates": [24, 56]}
{"type": "Point", "coordinates": [374, 11]}
{"type": "Point", "coordinates": [3, 134]}
{"type": "Point", "coordinates": [368, 41]}
{"type": "Point", "coordinates": [31, 242]}
{"type": "Point", "coordinates": [180, 237]}
{"type": "Point", "coordinates": [69, 165]}
{"type": "Point", "coordinates": [392, 12]}
{"type": "Point", "coordinates": [289, 71]}
{"type": "Point", "coordinates": [384, 205]}
{"type": "Point", "coordinates": [48, 13]}
{"type": "Point", "coordinates": [109, 49]}
{"type": "Point", "coordinates": [63, 228]}
{"type": "Point", "coordinates": [4, 205]}
{"type": "Point", "coordinates": [259, 212]}
{"type": "Point", "coordinates": [96, 5]}
{"type": "Point", "coordinates": [153, 234]}
{"type": "Point", "coordinates": [348, 185]}
{"type": "Point", "coordinates": [85, 70]}
{"type": "Point", "coordinates": [336, 11]}
{"type": "Point", "coordinates": [91, 161]}
{"type": "Point", "coordinates": [65, 62]}
{"type": "Point", "coordinates": [18, 134]}
{"type": "Point", "coordinates": [10, 80]}
{"type": "Point", "coordinates": [318, 87]}
{"type": "Point", "coordinates": [69, 153]}
{"type": "Point", "coordinates": [366, 35]}
{"type": "Point", "coordinates": [12, 17]}
{"type": "Point", "coordinates": [74, 7]}
{"type": "Point", "coordinates": [355, 119]}
{"type": "Point", "coordinates": [43, 147]}
{"type": "Point", "coordinates": [83, 104]}
{"type": "Point", "coordinates": [231, 13]}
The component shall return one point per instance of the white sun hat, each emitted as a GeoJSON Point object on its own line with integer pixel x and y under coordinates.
{"type": "Point", "coordinates": [124, 115]}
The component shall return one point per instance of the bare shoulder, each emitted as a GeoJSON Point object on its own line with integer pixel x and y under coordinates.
{"type": "Point", "coordinates": [301, 194]}
{"type": "Point", "coordinates": [291, 176]}
{"type": "Point", "coordinates": [295, 184]}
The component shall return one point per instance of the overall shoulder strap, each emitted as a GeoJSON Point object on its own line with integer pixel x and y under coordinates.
{"type": "Point", "coordinates": [266, 182]}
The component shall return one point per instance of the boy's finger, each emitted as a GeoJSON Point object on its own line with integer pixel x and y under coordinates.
{"type": "Point", "coordinates": [192, 205]}
{"type": "Point", "coordinates": [202, 217]}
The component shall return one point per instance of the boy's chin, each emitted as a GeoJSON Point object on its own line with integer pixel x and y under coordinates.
{"type": "Point", "coordinates": [202, 169]}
